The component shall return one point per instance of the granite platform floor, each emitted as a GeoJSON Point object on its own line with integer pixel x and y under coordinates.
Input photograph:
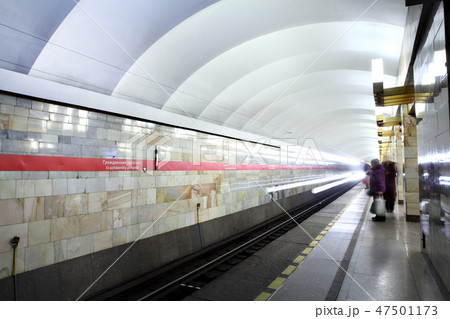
{"type": "Point", "coordinates": [359, 259]}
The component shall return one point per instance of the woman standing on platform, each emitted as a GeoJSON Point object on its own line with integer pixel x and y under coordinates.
{"type": "Point", "coordinates": [390, 172]}
{"type": "Point", "coordinates": [377, 185]}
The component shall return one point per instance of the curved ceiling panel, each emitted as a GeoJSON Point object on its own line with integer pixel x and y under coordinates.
{"type": "Point", "coordinates": [98, 42]}
{"type": "Point", "coordinates": [227, 24]}
{"type": "Point", "coordinates": [25, 28]}
{"type": "Point", "coordinates": [236, 101]}
{"type": "Point", "coordinates": [309, 95]}
{"type": "Point", "coordinates": [349, 52]}
{"type": "Point", "coordinates": [305, 118]}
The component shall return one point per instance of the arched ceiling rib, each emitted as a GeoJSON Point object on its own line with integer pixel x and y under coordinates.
{"type": "Point", "coordinates": [263, 66]}
{"type": "Point", "coordinates": [105, 37]}
{"type": "Point", "coordinates": [297, 57]}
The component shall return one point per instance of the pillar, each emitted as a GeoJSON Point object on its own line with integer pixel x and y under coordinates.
{"type": "Point", "coordinates": [410, 166]}
{"type": "Point", "coordinates": [398, 153]}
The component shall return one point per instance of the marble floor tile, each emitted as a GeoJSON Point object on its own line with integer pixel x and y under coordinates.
{"type": "Point", "coordinates": [381, 288]}
{"type": "Point", "coordinates": [386, 264]}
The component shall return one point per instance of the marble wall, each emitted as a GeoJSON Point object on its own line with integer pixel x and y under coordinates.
{"type": "Point", "coordinates": [63, 214]}
{"type": "Point", "coordinates": [430, 73]}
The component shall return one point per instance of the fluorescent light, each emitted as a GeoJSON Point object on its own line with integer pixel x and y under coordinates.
{"type": "Point", "coordinates": [439, 65]}
{"type": "Point", "coordinates": [307, 182]}
{"type": "Point", "coordinates": [353, 177]}
{"type": "Point", "coordinates": [377, 70]}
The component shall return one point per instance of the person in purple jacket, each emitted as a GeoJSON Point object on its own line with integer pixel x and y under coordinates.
{"type": "Point", "coordinates": [377, 183]}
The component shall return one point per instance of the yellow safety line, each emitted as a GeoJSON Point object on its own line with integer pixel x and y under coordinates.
{"type": "Point", "coordinates": [276, 283]}
{"type": "Point", "coordinates": [288, 271]}
{"type": "Point", "coordinates": [263, 296]}
{"type": "Point", "coordinates": [298, 260]}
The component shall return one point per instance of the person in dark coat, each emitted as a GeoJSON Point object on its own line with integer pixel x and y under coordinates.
{"type": "Point", "coordinates": [377, 183]}
{"type": "Point", "coordinates": [390, 173]}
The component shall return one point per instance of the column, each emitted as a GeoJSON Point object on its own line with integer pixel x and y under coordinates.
{"type": "Point", "coordinates": [398, 153]}
{"type": "Point", "coordinates": [410, 166]}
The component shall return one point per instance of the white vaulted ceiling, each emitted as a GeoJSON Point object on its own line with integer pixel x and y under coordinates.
{"type": "Point", "coordinates": [282, 69]}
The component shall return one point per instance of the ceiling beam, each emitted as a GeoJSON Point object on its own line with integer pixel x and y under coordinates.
{"type": "Point", "coordinates": [382, 132]}
{"type": "Point", "coordinates": [400, 95]}
{"type": "Point", "coordinates": [388, 121]}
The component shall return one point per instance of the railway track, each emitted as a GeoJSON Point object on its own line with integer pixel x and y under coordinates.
{"type": "Point", "coordinates": [180, 279]}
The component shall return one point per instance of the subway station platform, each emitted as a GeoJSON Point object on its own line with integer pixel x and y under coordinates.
{"type": "Point", "coordinates": [355, 258]}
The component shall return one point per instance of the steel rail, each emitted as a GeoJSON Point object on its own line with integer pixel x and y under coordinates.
{"type": "Point", "coordinates": [167, 288]}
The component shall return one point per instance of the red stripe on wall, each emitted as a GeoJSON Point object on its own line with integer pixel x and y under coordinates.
{"type": "Point", "coordinates": [189, 166]}
{"type": "Point", "coordinates": [10, 162]}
